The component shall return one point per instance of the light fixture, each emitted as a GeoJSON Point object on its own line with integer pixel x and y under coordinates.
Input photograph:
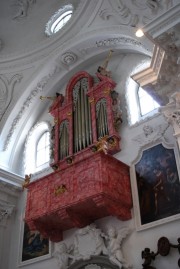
{"type": "Point", "coordinates": [139, 33]}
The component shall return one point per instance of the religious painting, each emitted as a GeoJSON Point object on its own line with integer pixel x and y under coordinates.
{"type": "Point", "coordinates": [157, 187]}
{"type": "Point", "coordinates": [34, 246]}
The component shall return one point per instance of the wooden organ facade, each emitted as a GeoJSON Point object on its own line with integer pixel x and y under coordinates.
{"type": "Point", "coordinates": [88, 182]}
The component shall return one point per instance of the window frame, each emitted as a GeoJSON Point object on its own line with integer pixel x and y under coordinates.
{"type": "Point", "coordinates": [31, 144]}
{"type": "Point", "coordinates": [140, 105]}
{"type": "Point", "coordinates": [133, 107]}
{"type": "Point", "coordinates": [58, 16]}
{"type": "Point", "coordinates": [37, 167]}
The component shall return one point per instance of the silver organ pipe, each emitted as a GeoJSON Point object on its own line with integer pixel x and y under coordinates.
{"type": "Point", "coordinates": [63, 140]}
{"type": "Point", "coordinates": [81, 116]}
{"type": "Point", "coordinates": [101, 118]}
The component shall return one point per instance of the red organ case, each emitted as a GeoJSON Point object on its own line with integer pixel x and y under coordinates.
{"type": "Point", "coordinates": [88, 183]}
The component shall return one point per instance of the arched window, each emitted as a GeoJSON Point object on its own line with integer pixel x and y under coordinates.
{"type": "Point", "coordinates": [140, 103]}
{"type": "Point", "coordinates": [37, 148]}
{"type": "Point", "coordinates": [42, 150]}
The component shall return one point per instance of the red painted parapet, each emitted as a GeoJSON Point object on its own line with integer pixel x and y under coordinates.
{"type": "Point", "coordinates": [88, 189]}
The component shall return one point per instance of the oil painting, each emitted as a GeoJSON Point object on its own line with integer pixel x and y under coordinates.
{"type": "Point", "coordinates": [35, 247]}
{"type": "Point", "coordinates": [157, 186]}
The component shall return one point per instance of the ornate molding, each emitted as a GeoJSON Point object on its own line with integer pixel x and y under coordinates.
{"type": "Point", "coordinates": [135, 12]}
{"type": "Point", "coordinates": [68, 58]}
{"type": "Point", "coordinates": [172, 112]}
{"type": "Point", "coordinates": [150, 74]}
{"type": "Point", "coordinates": [6, 91]}
{"type": "Point", "coordinates": [151, 134]}
{"type": "Point", "coordinates": [119, 40]}
{"type": "Point", "coordinates": [163, 22]}
{"type": "Point", "coordinates": [28, 102]}
{"type": "Point", "coordinates": [23, 8]}
{"type": "Point", "coordinates": [91, 242]}
{"type": "Point", "coordinates": [6, 211]}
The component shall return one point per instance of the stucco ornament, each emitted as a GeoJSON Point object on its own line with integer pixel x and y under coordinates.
{"type": "Point", "coordinates": [23, 6]}
{"type": "Point", "coordinates": [115, 240]}
{"type": "Point", "coordinates": [93, 238]}
{"type": "Point", "coordinates": [6, 211]}
{"type": "Point", "coordinates": [90, 241]}
{"type": "Point", "coordinates": [172, 111]}
{"type": "Point", "coordinates": [150, 134]}
{"type": "Point", "coordinates": [68, 58]}
{"type": "Point", "coordinates": [62, 255]}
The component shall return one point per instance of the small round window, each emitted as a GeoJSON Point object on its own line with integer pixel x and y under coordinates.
{"type": "Point", "coordinates": [59, 19]}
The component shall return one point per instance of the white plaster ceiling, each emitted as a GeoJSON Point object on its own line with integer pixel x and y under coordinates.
{"type": "Point", "coordinates": [32, 64]}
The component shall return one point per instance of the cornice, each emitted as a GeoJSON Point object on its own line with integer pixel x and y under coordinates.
{"type": "Point", "coordinates": [163, 22]}
{"type": "Point", "coordinates": [10, 178]}
{"type": "Point", "coordinates": [150, 74]}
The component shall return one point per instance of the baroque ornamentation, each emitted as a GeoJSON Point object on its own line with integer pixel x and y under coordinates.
{"type": "Point", "coordinates": [68, 58]}
{"type": "Point", "coordinates": [23, 7]}
{"type": "Point", "coordinates": [6, 211]}
{"type": "Point", "coordinates": [172, 112]}
{"type": "Point", "coordinates": [97, 243]}
{"type": "Point", "coordinates": [38, 89]}
{"type": "Point", "coordinates": [118, 40]}
{"type": "Point", "coordinates": [130, 13]}
{"type": "Point", "coordinates": [151, 134]}
{"type": "Point", "coordinates": [168, 78]}
{"type": "Point", "coordinates": [6, 91]}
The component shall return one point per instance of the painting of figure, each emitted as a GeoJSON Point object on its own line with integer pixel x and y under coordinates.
{"type": "Point", "coordinates": [157, 184]}
{"type": "Point", "coordinates": [34, 245]}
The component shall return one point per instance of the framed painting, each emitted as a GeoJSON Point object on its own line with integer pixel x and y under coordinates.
{"type": "Point", "coordinates": [156, 187]}
{"type": "Point", "coordinates": [33, 246]}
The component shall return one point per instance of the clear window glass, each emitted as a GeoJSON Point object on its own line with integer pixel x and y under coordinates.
{"type": "Point", "coordinates": [42, 150]}
{"type": "Point", "coordinates": [140, 103]}
{"type": "Point", "coordinates": [61, 21]}
{"type": "Point", "coordinates": [146, 102]}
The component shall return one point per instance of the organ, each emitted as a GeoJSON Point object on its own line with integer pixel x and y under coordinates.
{"type": "Point", "coordinates": [87, 182]}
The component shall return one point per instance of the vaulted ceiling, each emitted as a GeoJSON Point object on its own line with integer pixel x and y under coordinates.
{"type": "Point", "coordinates": [34, 64]}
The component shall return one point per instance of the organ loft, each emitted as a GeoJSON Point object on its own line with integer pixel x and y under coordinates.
{"type": "Point", "coordinates": [87, 182]}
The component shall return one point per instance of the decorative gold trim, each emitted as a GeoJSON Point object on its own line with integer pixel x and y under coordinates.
{"type": "Point", "coordinates": [47, 97]}
{"type": "Point", "coordinates": [60, 189]}
{"type": "Point", "coordinates": [107, 91]}
{"type": "Point", "coordinates": [91, 100]}
{"type": "Point", "coordinates": [26, 182]}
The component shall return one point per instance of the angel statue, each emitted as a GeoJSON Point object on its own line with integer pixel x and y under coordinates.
{"type": "Point", "coordinates": [62, 255]}
{"type": "Point", "coordinates": [114, 246]}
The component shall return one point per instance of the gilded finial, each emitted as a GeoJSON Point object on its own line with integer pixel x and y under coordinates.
{"type": "Point", "coordinates": [102, 69]}
{"type": "Point", "coordinates": [102, 144]}
{"type": "Point", "coordinates": [49, 97]}
{"type": "Point", "coordinates": [105, 64]}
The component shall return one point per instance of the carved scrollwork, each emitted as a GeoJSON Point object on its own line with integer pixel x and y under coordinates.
{"type": "Point", "coordinates": [6, 211]}
{"type": "Point", "coordinates": [90, 242]}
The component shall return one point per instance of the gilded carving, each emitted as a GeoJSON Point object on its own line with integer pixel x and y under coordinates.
{"type": "Point", "coordinates": [60, 189]}
{"type": "Point", "coordinates": [26, 181]}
